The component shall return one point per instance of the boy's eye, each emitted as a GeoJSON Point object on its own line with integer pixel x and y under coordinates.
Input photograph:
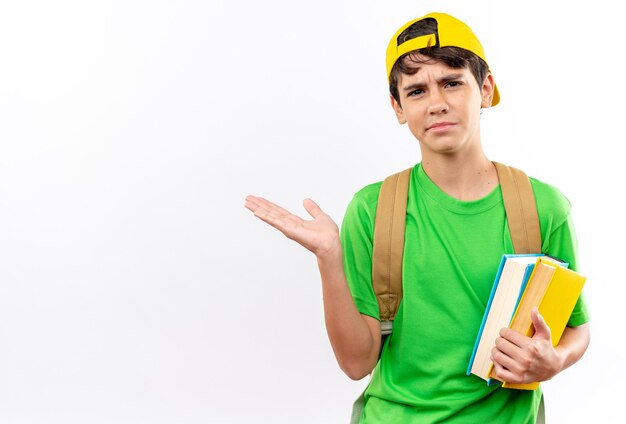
{"type": "Point", "coordinates": [454, 83]}
{"type": "Point", "coordinates": [416, 92]}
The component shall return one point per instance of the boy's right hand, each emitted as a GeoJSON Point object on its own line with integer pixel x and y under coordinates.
{"type": "Point", "coordinates": [319, 235]}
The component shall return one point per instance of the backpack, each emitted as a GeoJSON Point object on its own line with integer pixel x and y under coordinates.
{"type": "Point", "coordinates": [388, 249]}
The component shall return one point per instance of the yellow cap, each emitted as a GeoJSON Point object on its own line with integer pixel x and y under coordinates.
{"type": "Point", "coordinates": [450, 32]}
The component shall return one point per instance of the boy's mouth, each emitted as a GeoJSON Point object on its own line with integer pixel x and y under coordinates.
{"type": "Point", "coordinates": [440, 126]}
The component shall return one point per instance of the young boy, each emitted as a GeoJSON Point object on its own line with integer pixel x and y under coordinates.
{"type": "Point", "coordinates": [456, 233]}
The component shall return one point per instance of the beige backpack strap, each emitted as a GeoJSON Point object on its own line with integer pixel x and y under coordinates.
{"type": "Point", "coordinates": [388, 249]}
{"type": "Point", "coordinates": [521, 209]}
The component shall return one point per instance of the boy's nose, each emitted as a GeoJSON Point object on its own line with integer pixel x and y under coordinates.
{"type": "Point", "coordinates": [438, 103]}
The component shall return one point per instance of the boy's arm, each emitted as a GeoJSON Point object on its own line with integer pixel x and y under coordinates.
{"type": "Point", "coordinates": [519, 359]}
{"type": "Point", "coordinates": [355, 338]}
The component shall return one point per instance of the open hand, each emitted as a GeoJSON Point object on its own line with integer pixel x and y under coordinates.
{"type": "Point", "coordinates": [319, 235]}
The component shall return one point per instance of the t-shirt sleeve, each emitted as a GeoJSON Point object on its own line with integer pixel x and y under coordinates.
{"type": "Point", "coordinates": [559, 240]}
{"type": "Point", "coordinates": [564, 246]}
{"type": "Point", "coordinates": [357, 231]}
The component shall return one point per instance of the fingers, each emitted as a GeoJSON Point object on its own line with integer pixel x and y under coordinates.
{"type": "Point", "coordinates": [507, 347]}
{"type": "Point", "coordinates": [519, 359]}
{"type": "Point", "coordinates": [542, 331]}
{"type": "Point", "coordinates": [271, 213]}
{"type": "Point", "coordinates": [505, 368]}
{"type": "Point", "coordinates": [312, 208]}
{"type": "Point", "coordinates": [506, 355]}
{"type": "Point", "coordinates": [254, 202]}
{"type": "Point", "coordinates": [514, 337]}
{"type": "Point", "coordinates": [501, 373]}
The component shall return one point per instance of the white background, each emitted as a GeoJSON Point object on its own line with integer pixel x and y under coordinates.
{"type": "Point", "coordinates": [135, 287]}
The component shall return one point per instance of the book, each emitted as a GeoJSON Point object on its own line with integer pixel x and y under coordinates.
{"type": "Point", "coordinates": [513, 273]}
{"type": "Point", "coordinates": [535, 290]}
{"type": "Point", "coordinates": [555, 304]}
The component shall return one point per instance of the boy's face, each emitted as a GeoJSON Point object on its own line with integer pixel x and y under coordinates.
{"type": "Point", "coordinates": [441, 105]}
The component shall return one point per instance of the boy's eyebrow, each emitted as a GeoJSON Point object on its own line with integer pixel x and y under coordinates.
{"type": "Point", "coordinates": [444, 79]}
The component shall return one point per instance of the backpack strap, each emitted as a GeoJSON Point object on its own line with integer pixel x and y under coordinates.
{"type": "Point", "coordinates": [521, 209]}
{"type": "Point", "coordinates": [388, 249]}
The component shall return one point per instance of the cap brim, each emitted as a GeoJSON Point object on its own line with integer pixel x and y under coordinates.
{"type": "Point", "coordinates": [496, 96]}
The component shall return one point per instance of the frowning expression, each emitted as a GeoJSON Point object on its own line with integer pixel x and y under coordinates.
{"type": "Point", "coordinates": [441, 106]}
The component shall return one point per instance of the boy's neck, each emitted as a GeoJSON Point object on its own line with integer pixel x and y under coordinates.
{"type": "Point", "coordinates": [462, 177]}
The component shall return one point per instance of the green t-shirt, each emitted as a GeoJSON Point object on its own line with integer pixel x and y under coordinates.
{"type": "Point", "coordinates": [452, 252]}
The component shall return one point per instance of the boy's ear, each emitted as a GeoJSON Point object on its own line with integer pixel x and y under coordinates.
{"type": "Point", "coordinates": [487, 90]}
{"type": "Point", "coordinates": [398, 110]}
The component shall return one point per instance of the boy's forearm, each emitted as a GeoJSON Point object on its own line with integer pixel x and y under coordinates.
{"type": "Point", "coordinates": [354, 343]}
{"type": "Point", "coordinates": [573, 344]}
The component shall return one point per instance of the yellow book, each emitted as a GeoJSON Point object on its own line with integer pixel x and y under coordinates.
{"type": "Point", "coordinates": [533, 293]}
{"type": "Point", "coordinates": [556, 306]}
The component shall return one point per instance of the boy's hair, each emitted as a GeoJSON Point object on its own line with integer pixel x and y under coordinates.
{"type": "Point", "coordinates": [454, 57]}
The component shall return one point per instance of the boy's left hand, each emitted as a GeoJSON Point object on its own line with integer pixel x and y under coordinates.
{"type": "Point", "coordinates": [520, 359]}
